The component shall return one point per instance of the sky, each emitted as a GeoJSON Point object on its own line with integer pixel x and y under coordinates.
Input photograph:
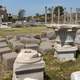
{"type": "Point", "coordinates": [36, 6]}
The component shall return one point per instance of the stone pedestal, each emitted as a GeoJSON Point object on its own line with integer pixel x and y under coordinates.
{"type": "Point", "coordinates": [28, 64]}
{"type": "Point", "coordinates": [75, 75]}
{"type": "Point", "coordinates": [65, 53]}
{"type": "Point", "coordinates": [64, 47]}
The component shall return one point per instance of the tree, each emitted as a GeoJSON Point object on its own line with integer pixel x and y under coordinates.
{"type": "Point", "coordinates": [49, 9]}
{"type": "Point", "coordinates": [38, 16]}
{"type": "Point", "coordinates": [61, 10]}
{"type": "Point", "coordinates": [21, 14]}
{"type": "Point", "coordinates": [29, 18]}
{"type": "Point", "coordinates": [10, 17]}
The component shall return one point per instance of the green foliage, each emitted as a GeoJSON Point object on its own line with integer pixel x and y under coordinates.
{"type": "Point", "coordinates": [49, 9]}
{"type": "Point", "coordinates": [37, 14]}
{"type": "Point", "coordinates": [56, 10]}
{"type": "Point", "coordinates": [21, 14]}
{"type": "Point", "coordinates": [56, 70]}
{"type": "Point", "coordinates": [26, 30]}
{"type": "Point", "coordinates": [8, 76]}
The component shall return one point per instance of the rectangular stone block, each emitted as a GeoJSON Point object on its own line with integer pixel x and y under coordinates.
{"type": "Point", "coordinates": [8, 60]}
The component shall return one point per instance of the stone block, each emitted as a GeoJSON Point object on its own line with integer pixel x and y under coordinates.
{"type": "Point", "coordinates": [45, 46]}
{"type": "Point", "coordinates": [2, 39]}
{"type": "Point", "coordinates": [32, 46]}
{"type": "Point", "coordinates": [75, 75]}
{"type": "Point", "coordinates": [5, 50]}
{"type": "Point", "coordinates": [29, 40]}
{"type": "Point", "coordinates": [65, 54]}
{"type": "Point", "coordinates": [8, 60]}
{"type": "Point", "coordinates": [28, 64]}
{"type": "Point", "coordinates": [51, 35]}
{"type": "Point", "coordinates": [3, 44]}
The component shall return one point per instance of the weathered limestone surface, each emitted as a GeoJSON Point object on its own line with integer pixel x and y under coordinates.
{"type": "Point", "coordinates": [8, 60]}
{"type": "Point", "coordinates": [3, 44]}
{"type": "Point", "coordinates": [28, 64]}
{"type": "Point", "coordinates": [29, 40]}
{"type": "Point", "coordinates": [5, 50]}
{"type": "Point", "coordinates": [65, 48]}
{"type": "Point", "coordinates": [45, 46]}
{"type": "Point", "coordinates": [16, 45]}
{"type": "Point", "coordinates": [75, 75]}
{"type": "Point", "coordinates": [2, 39]}
{"type": "Point", "coordinates": [32, 46]}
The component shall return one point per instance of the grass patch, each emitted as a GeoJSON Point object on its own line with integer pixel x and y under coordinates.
{"type": "Point", "coordinates": [27, 30]}
{"type": "Point", "coordinates": [56, 70]}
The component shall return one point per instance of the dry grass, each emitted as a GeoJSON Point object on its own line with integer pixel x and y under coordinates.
{"type": "Point", "coordinates": [56, 70]}
{"type": "Point", "coordinates": [27, 30]}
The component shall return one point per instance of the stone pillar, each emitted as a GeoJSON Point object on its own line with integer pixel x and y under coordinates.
{"type": "Point", "coordinates": [70, 15]}
{"type": "Point", "coordinates": [45, 15]}
{"type": "Point", "coordinates": [58, 15]}
{"type": "Point", "coordinates": [52, 16]}
{"type": "Point", "coordinates": [76, 16]}
{"type": "Point", "coordinates": [64, 16]}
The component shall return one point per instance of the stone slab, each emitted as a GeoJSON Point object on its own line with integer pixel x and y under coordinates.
{"type": "Point", "coordinates": [2, 39]}
{"type": "Point", "coordinates": [16, 45]}
{"type": "Point", "coordinates": [29, 40]}
{"type": "Point", "coordinates": [65, 55]}
{"type": "Point", "coordinates": [5, 50]}
{"type": "Point", "coordinates": [45, 46]}
{"type": "Point", "coordinates": [3, 44]}
{"type": "Point", "coordinates": [9, 55]}
{"type": "Point", "coordinates": [75, 75]}
{"type": "Point", "coordinates": [8, 60]}
{"type": "Point", "coordinates": [26, 65]}
{"type": "Point", "coordinates": [32, 46]}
